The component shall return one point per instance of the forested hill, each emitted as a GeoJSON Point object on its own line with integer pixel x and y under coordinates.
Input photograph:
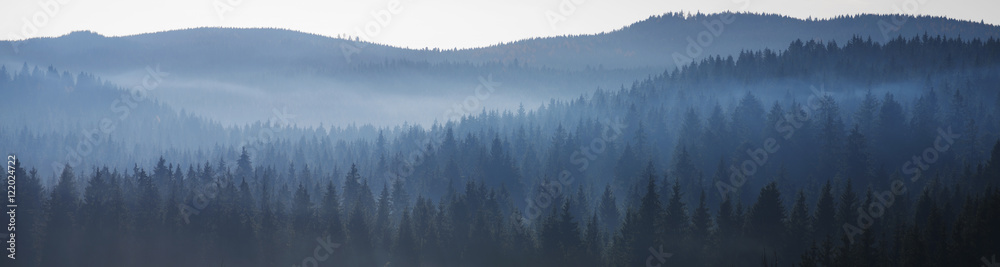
{"type": "Point", "coordinates": [859, 62]}
{"type": "Point", "coordinates": [645, 44]}
{"type": "Point", "coordinates": [273, 67]}
{"type": "Point", "coordinates": [654, 41]}
{"type": "Point", "coordinates": [714, 119]}
{"type": "Point", "coordinates": [783, 163]}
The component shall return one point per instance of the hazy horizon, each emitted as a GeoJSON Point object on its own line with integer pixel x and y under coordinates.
{"type": "Point", "coordinates": [442, 24]}
{"type": "Point", "coordinates": [741, 133]}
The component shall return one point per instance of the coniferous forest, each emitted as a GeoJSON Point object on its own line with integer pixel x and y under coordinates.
{"type": "Point", "coordinates": [859, 153]}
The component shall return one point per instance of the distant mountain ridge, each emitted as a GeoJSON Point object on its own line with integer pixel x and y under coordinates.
{"type": "Point", "coordinates": [647, 43]}
{"type": "Point", "coordinates": [231, 69]}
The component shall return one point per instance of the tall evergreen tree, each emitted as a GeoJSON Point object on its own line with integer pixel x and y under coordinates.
{"type": "Point", "coordinates": [675, 221]}
{"type": "Point", "coordinates": [359, 242]}
{"type": "Point", "coordinates": [824, 221]}
{"type": "Point", "coordinates": [766, 219]}
{"type": "Point", "coordinates": [799, 225]}
{"type": "Point", "coordinates": [847, 210]}
{"type": "Point", "coordinates": [61, 234]}
{"type": "Point", "coordinates": [701, 229]}
{"type": "Point", "coordinates": [858, 160]}
{"type": "Point", "coordinates": [330, 213]}
{"type": "Point", "coordinates": [608, 208]}
{"type": "Point", "coordinates": [404, 251]}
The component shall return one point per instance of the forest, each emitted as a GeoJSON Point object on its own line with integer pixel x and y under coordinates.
{"type": "Point", "coordinates": [862, 154]}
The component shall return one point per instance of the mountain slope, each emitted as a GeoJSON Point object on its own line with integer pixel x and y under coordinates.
{"type": "Point", "coordinates": [647, 43]}
{"type": "Point", "coordinates": [239, 74]}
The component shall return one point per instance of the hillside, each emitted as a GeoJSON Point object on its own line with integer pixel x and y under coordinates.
{"type": "Point", "coordinates": [243, 73]}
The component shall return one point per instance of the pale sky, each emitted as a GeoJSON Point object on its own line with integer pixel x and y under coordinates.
{"type": "Point", "coordinates": [424, 23]}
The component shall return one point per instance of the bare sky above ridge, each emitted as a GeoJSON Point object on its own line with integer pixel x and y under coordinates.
{"type": "Point", "coordinates": [424, 23]}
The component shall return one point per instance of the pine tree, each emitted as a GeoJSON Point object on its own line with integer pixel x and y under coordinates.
{"type": "Point", "coordinates": [330, 213]}
{"type": "Point", "coordinates": [864, 251]}
{"type": "Point", "coordinates": [691, 129]}
{"type": "Point", "coordinates": [847, 210]}
{"type": "Point", "coordinates": [858, 160]}
{"type": "Point", "coordinates": [162, 177]}
{"type": "Point", "coordinates": [748, 118]}
{"type": "Point", "coordinates": [569, 237]}
{"type": "Point", "coordinates": [244, 169]}
{"type": "Point", "coordinates": [359, 242]}
{"type": "Point", "coordinates": [400, 199]}
{"type": "Point", "coordinates": [824, 221]}
{"type": "Point", "coordinates": [427, 231]}
{"type": "Point", "coordinates": [831, 134]}
{"type": "Point", "coordinates": [60, 228]}
{"type": "Point", "coordinates": [799, 225]}
{"type": "Point", "coordinates": [729, 224]}
{"type": "Point", "coordinates": [685, 170]}
{"type": "Point", "coordinates": [302, 213]}
{"type": "Point", "coordinates": [866, 114]}
{"type": "Point", "coordinates": [701, 227]}
{"type": "Point", "coordinates": [627, 249]}
{"type": "Point", "coordinates": [381, 234]}
{"type": "Point", "coordinates": [148, 216]}
{"type": "Point", "coordinates": [650, 225]}
{"type": "Point", "coordinates": [352, 186]}
{"type": "Point", "coordinates": [92, 222]}
{"type": "Point", "coordinates": [627, 168]}
{"type": "Point", "coordinates": [270, 223]}
{"type": "Point", "coordinates": [31, 214]}
{"type": "Point", "coordinates": [580, 203]}
{"type": "Point", "coordinates": [924, 122]}
{"type": "Point", "coordinates": [593, 246]}
{"type": "Point", "coordinates": [890, 130]}
{"type": "Point", "coordinates": [766, 219]}
{"type": "Point", "coordinates": [404, 251]}
{"type": "Point", "coordinates": [729, 233]}
{"type": "Point", "coordinates": [675, 220]}
{"type": "Point", "coordinates": [609, 214]}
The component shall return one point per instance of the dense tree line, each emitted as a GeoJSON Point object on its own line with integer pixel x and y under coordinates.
{"type": "Point", "coordinates": [154, 218]}
{"type": "Point", "coordinates": [660, 166]}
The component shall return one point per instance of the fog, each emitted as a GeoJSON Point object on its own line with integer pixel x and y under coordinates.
{"type": "Point", "coordinates": [823, 153]}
